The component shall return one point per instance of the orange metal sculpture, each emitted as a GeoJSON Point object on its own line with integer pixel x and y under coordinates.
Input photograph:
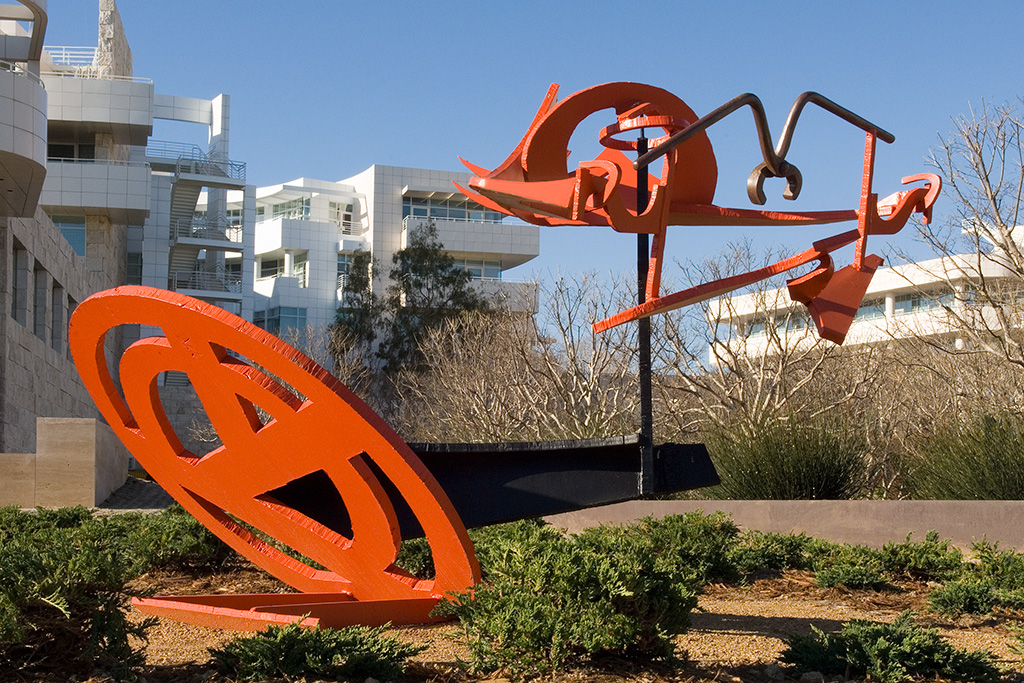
{"type": "Point", "coordinates": [534, 184]}
{"type": "Point", "coordinates": [281, 417]}
{"type": "Point", "coordinates": [286, 423]}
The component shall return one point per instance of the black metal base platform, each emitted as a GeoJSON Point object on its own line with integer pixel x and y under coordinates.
{"type": "Point", "coordinates": [502, 482]}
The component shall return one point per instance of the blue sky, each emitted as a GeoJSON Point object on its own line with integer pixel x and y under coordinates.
{"type": "Point", "coordinates": [325, 89]}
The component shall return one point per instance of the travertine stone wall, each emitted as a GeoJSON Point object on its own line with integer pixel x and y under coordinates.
{"type": "Point", "coordinates": [114, 56]}
{"type": "Point", "coordinates": [79, 461]}
{"type": "Point", "coordinates": [43, 279]}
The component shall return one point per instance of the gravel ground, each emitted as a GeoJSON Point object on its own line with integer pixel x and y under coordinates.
{"type": "Point", "coordinates": [737, 632]}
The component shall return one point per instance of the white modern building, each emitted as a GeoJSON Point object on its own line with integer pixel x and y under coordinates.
{"type": "Point", "coordinates": [924, 299]}
{"type": "Point", "coordinates": [307, 230]}
{"type": "Point", "coordinates": [89, 200]}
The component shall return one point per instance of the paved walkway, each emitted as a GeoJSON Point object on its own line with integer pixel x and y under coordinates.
{"type": "Point", "coordinates": [137, 495]}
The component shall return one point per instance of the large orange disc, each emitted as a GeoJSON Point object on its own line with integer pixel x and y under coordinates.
{"type": "Point", "coordinates": [316, 426]}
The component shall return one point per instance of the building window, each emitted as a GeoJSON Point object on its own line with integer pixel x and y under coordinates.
{"type": "Point", "coordinates": [341, 215]}
{"type": "Point", "coordinates": [19, 284]}
{"type": "Point", "coordinates": [918, 302]}
{"type": "Point", "coordinates": [71, 151]}
{"type": "Point", "coordinates": [480, 269]}
{"type": "Point", "coordinates": [235, 218]}
{"type": "Point", "coordinates": [280, 319]}
{"type": "Point", "coordinates": [40, 299]}
{"type": "Point", "coordinates": [261, 211]}
{"type": "Point", "coordinates": [344, 268]}
{"type": "Point", "coordinates": [73, 229]}
{"type": "Point", "coordinates": [133, 268]}
{"type": "Point", "coordinates": [871, 309]}
{"type": "Point", "coordinates": [57, 323]}
{"type": "Point", "coordinates": [300, 269]}
{"type": "Point", "coordinates": [297, 209]}
{"type": "Point", "coordinates": [448, 210]}
{"type": "Point", "coordinates": [271, 268]}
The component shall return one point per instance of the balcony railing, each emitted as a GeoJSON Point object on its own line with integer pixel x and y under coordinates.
{"type": "Point", "coordinates": [106, 162]}
{"type": "Point", "coordinates": [167, 149]}
{"type": "Point", "coordinates": [219, 229]}
{"type": "Point", "coordinates": [413, 220]}
{"type": "Point", "coordinates": [350, 228]}
{"type": "Point", "coordinates": [20, 70]}
{"type": "Point", "coordinates": [220, 281]}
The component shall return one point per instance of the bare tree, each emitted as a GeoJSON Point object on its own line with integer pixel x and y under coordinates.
{"type": "Point", "coordinates": [769, 368]}
{"type": "Point", "coordinates": [980, 263]}
{"type": "Point", "coordinates": [500, 376]}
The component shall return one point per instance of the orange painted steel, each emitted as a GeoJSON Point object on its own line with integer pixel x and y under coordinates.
{"type": "Point", "coordinates": [311, 425]}
{"type": "Point", "coordinates": [535, 185]}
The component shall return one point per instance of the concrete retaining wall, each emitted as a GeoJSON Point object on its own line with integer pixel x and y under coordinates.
{"type": "Point", "coordinates": [867, 522]}
{"type": "Point", "coordinates": [78, 461]}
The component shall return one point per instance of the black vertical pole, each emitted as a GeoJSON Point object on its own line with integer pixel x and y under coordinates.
{"type": "Point", "coordinates": [643, 256]}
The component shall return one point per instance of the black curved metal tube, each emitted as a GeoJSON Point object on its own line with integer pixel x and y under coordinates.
{"type": "Point", "coordinates": [774, 159]}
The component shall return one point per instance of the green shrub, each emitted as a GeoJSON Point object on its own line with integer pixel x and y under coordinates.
{"type": "Point", "coordinates": [788, 461]}
{"type": "Point", "coordinates": [350, 654]}
{"type": "Point", "coordinates": [964, 596]}
{"type": "Point", "coordinates": [1001, 568]}
{"type": "Point", "coordinates": [824, 553]}
{"type": "Point", "coordinates": [693, 544]}
{"type": "Point", "coordinates": [928, 559]}
{"type": "Point", "coordinates": [552, 600]}
{"type": "Point", "coordinates": [416, 558]}
{"type": "Point", "coordinates": [980, 459]}
{"type": "Point", "coordinates": [491, 543]}
{"type": "Point", "coordinates": [62, 590]}
{"type": "Point", "coordinates": [759, 551]}
{"type": "Point", "coordinates": [887, 652]}
{"type": "Point", "coordinates": [172, 539]}
{"type": "Point", "coordinates": [853, 576]}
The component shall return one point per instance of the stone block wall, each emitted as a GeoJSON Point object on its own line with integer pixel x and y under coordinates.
{"type": "Point", "coordinates": [41, 282]}
{"type": "Point", "coordinates": [79, 461]}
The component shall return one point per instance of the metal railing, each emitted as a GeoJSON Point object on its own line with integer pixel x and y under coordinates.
{"type": "Point", "coordinates": [425, 219]}
{"type": "Point", "coordinates": [190, 158]}
{"type": "Point", "coordinates": [219, 281]}
{"type": "Point", "coordinates": [81, 62]}
{"type": "Point", "coordinates": [168, 149]}
{"type": "Point", "coordinates": [203, 165]}
{"type": "Point", "coordinates": [106, 162]}
{"type": "Point", "coordinates": [20, 70]}
{"type": "Point", "coordinates": [350, 228]}
{"type": "Point", "coordinates": [71, 56]}
{"type": "Point", "coordinates": [202, 228]}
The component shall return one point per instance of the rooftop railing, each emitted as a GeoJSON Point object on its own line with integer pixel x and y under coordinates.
{"type": "Point", "coordinates": [81, 62]}
{"type": "Point", "coordinates": [62, 55]}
